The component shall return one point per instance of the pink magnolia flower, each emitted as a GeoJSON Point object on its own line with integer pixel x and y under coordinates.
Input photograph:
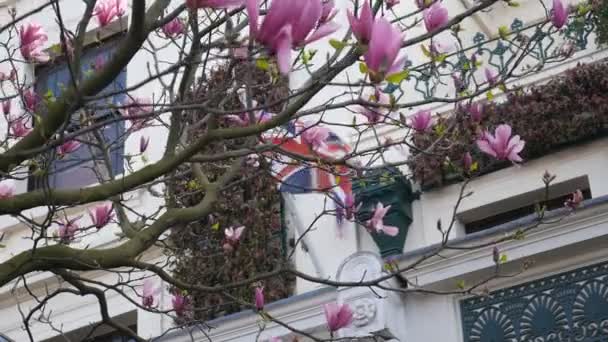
{"type": "Point", "coordinates": [349, 203]}
{"type": "Point", "coordinates": [376, 223]}
{"type": "Point", "coordinates": [458, 83]}
{"type": "Point", "coordinates": [421, 121]}
{"type": "Point", "coordinates": [491, 76]}
{"type": "Point", "coordinates": [501, 145]}
{"type": "Point", "coordinates": [30, 100]}
{"type": "Point", "coordinates": [348, 209]}
{"type": "Point", "coordinates": [174, 28]}
{"type": "Point", "coordinates": [559, 14]}
{"type": "Point", "coordinates": [252, 160]}
{"type": "Point", "coordinates": [180, 304]}
{"type": "Point", "coordinates": [19, 128]}
{"type": "Point", "coordinates": [435, 17]}
{"type": "Point", "coordinates": [475, 111]}
{"type": "Point", "coordinates": [496, 255]}
{"type": "Point", "coordinates": [338, 316]}
{"type": "Point", "coordinates": [376, 114]}
{"type": "Point", "coordinates": [101, 215]}
{"type": "Point", "coordinates": [467, 161]}
{"type": "Point", "coordinates": [259, 297]}
{"type": "Point", "coordinates": [362, 27]}
{"type": "Point", "coordinates": [107, 10]}
{"type": "Point", "coordinates": [99, 62]}
{"type": "Point", "coordinates": [315, 137]}
{"type": "Point", "coordinates": [32, 38]}
{"type": "Point", "coordinates": [240, 52]}
{"type": "Point", "coordinates": [67, 147]}
{"type": "Point", "coordinates": [242, 119]}
{"type": "Point", "coordinates": [67, 229]}
{"type": "Point", "coordinates": [135, 109]}
{"type": "Point", "coordinates": [575, 201]}
{"type": "Point", "coordinates": [381, 56]}
{"type": "Point", "coordinates": [143, 144]}
{"type": "Point", "coordinates": [422, 4]}
{"type": "Point", "coordinates": [7, 190]}
{"type": "Point", "coordinates": [6, 107]}
{"type": "Point", "coordinates": [567, 49]}
{"type": "Point", "coordinates": [194, 4]}
{"type": "Point", "coordinates": [11, 76]}
{"type": "Point", "coordinates": [149, 292]}
{"type": "Point", "coordinates": [329, 11]}
{"type": "Point", "coordinates": [232, 236]}
{"type": "Point", "coordinates": [439, 47]}
{"type": "Point", "coordinates": [391, 3]}
{"type": "Point", "coordinates": [288, 24]}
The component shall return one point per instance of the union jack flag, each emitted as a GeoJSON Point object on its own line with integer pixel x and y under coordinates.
{"type": "Point", "coordinates": [299, 177]}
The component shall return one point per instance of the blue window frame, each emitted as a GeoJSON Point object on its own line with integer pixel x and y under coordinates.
{"type": "Point", "coordinates": [78, 169]}
{"type": "Point", "coordinates": [4, 339]}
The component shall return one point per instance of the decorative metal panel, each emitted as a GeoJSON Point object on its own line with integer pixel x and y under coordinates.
{"type": "Point", "coordinates": [571, 307]}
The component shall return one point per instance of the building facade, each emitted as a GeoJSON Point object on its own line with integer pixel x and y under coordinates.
{"type": "Point", "coordinates": [549, 282]}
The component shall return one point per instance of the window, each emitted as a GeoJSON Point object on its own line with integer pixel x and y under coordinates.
{"type": "Point", "coordinates": [519, 206]}
{"type": "Point", "coordinates": [101, 333]}
{"type": "Point", "coordinates": [83, 166]}
{"type": "Point", "coordinates": [4, 339]}
{"type": "Point", "coordinates": [115, 337]}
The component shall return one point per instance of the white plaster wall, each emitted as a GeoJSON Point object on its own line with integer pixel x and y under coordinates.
{"type": "Point", "coordinates": [585, 160]}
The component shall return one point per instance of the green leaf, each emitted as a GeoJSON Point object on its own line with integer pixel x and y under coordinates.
{"type": "Point", "coordinates": [397, 77]}
{"type": "Point", "coordinates": [513, 4]}
{"type": "Point", "coordinates": [440, 58]}
{"type": "Point", "coordinates": [502, 87]}
{"type": "Point", "coordinates": [583, 9]}
{"type": "Point", "coordinates": [466, 66]}
{"type": "Point", "coordinates": [425, 51]}
{"type": "Point", "coordinates": [503, 259]}
{"type": "Point", "coordinates": [389, 267]}
{"type": "Point", "coordinates": [440, 129]}
{"type": "Point", "coordinates": [215, 226]}
{"type": "Point", "coordinates": [2, 246]}
{"type": "Point", "coordinates": [474, 167]}
{"type": "Point", "coordinates": [192, 185]}
{"type": "Point", "coordinates": [363, 68]}
{"type": "Point", "coordinates": [503, 32]}
{"type": "Point", "coordinates": [307, 55]}
{"type": "Point", "coordinates": [460, 284]}
{"type": "Point", "coordinates": [337, 44]}
{"type": "Point", "coordinates": [262, 64]}
{"type": "Point", "coordinates": [56, 49]}
{"type": "Point", "coordinates": [48, 96]}
{"type": "Point", "coordinates": [489, 95]}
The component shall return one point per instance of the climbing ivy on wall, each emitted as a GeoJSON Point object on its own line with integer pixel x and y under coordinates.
{"type": "Point", "coordinates": [572, 108]}
{"type": "Point", "coordinates": [253, 202]}
{"type": "Point", "coordinates": [600, 12]}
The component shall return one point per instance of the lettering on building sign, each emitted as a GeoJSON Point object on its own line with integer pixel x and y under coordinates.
{"type": "Point", "coordinates": [568, 307]}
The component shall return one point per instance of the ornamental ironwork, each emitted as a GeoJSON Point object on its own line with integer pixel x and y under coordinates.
{"type": "Point", "coordinates": [568, 307]}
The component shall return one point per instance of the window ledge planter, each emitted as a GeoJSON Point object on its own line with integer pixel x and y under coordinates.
{"type": "Point", "coordinates": [390, 187]}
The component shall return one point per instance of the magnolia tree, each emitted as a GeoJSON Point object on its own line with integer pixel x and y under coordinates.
{"type": "Point", "coordinates": [224, 99]}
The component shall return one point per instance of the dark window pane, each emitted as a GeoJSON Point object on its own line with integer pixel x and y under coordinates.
{"type": "Point", "coordinates": [512, 215]}
{"type": "Point", "coordinates": [79, 169]}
